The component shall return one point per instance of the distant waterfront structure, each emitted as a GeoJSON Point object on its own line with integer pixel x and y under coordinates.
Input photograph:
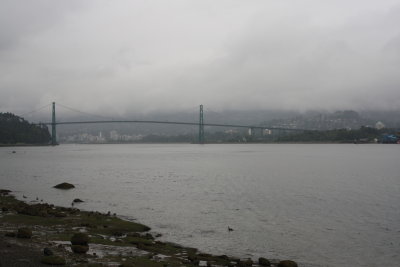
{"type": "Point", "coordinates": [231, 131]}
{"type": "Point", "coordinates": [267, 132]}
{"type": "Point", "coordinates": [114, 136]}
{"type": "Point", "coordinates": [379, 125]}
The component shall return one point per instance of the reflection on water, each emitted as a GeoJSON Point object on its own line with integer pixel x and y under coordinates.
{"type": "Point", "coordinates": [321, 205]}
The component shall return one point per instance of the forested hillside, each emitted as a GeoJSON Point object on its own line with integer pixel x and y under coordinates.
{"type": "Point", "coordinates": [16, 130]}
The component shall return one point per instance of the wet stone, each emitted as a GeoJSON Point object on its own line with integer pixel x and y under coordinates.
{"type": "Point", "coordinates": [79, 249]}
{"type": "Point", "coordinates": [64, 186]}
{"type": "Point", "coordinates": [80, 239]}
{"type": "Point", "coordinates": [264, 262]}
{"type": "Point", "coordinates": [10, 234]}
{"type": "Point", "coordinates": [47, 252]}
{"type": "Point", "coordinates": [287, 263]}
{"type": "Point", "coordinates": [24, 233]}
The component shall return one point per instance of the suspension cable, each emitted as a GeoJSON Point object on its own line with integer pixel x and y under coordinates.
{"type": "Point", "coordinates": [83, 112]}
{"type": "Point", "coordinates": [34, 111]}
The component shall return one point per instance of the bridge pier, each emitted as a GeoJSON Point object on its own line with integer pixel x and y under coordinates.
{"type": "Point", "coordinates": [201, 126]}
{"type": "Point", "coordinates": [53, 126]}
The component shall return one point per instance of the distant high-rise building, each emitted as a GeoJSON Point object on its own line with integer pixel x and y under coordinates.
{"type": "Point", "coordinates": [114, 135]}
{"type": "Point", "coordinates": [379, 125]}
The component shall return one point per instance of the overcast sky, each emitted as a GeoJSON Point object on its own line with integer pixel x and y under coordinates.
{"type": "Point", "coordinates": [147, 55]}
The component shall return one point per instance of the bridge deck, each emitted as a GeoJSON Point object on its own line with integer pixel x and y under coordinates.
{"type": "Point", "coordinates": [176, 123]}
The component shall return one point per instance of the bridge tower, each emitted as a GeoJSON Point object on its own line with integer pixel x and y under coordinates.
{"type": "Point", "coordinates": [53, 126]}
{"type": "Point", "coordinates": [201, 126]}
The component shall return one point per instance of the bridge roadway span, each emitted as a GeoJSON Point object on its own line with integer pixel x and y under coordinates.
{"type": "Point", "coordinates": [174, 122]}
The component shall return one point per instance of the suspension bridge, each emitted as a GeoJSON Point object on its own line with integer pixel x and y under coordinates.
{"type": "Point", "coordinates": [201, 124]}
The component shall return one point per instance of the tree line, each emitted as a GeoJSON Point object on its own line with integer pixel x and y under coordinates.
{"type": "Point", "coordinates": [16, 130]}
{"type": "Point", "coordinates": [362, 135]}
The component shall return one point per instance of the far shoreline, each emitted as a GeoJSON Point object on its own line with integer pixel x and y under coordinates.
{"type": "Point", "coordinates": [23, 145]}
{"type": "Point", "coordinates": [184, 143]}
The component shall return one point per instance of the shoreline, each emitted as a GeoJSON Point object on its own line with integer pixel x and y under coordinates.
{"type": "Point", "coordinates": [211, 143]}
{"type": "Point", "coordinates": [113, 240]}
{"type": "Point", "coordinates": [23, 145]}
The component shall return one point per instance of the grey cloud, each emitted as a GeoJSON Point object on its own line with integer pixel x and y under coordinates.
{"type": "Point", "coordinates": [158, 55]}
{"type": "Point", "coordinates": [22, 19]}
{"type": "Point", "coordinates": [304, 66]}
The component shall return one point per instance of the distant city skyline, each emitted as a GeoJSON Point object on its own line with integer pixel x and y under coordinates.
{"type": "Point", "coordinates": [313, 121]}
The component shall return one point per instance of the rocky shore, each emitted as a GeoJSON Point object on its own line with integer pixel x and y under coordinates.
{"type": "Point", "coordinates": [41, 234]}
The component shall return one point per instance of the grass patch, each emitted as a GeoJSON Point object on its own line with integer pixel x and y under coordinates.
{"type": "Point", "coordinates": [31, 220]}
{"type": "Point", "coordinates": [104, 224]}
{"type": "Point", "coordinates": [144, 261]}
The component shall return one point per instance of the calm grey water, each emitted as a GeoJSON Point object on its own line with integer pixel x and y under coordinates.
{"type": "Point", "coordinates": [321, 205]}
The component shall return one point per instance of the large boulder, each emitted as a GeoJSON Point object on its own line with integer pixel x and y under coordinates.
{"type": "Point", "coordinates": [287, 263]}
{"type": "Point", "coordinates": [47, 252]}
{"type": "Point", "coordinates": [80, 249]}
{"type": "Point", "coordinates": [4, 191]}
{"type": "Point", "coordinates": [264, 262]}
{"type": "Point", "coordinates": [64, 186]}
{"type": "Point", "coordinates": [24, 233]}
{"type": "Point", "coordinates": [80, 239]}
{"type": "Point", "coordinates": [80, 243]}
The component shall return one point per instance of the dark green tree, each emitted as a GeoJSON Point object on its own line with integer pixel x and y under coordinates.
{"type": "Point", "coordinates": [16, 130]}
